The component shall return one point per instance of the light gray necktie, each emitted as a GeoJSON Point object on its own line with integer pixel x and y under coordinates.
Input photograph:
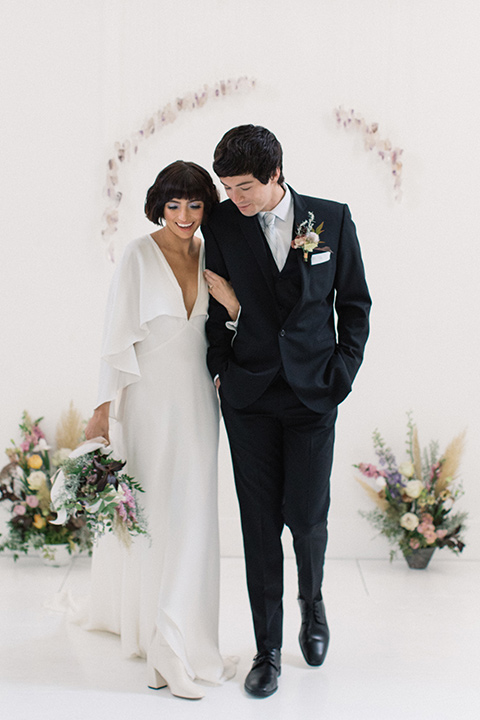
{"type": "Point", "coordinates": [272, 238]}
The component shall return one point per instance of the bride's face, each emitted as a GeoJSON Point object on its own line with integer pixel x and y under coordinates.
{"type": "Point", "coordinates": [183, 217]}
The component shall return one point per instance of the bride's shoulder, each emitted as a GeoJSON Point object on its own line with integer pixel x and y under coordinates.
{"type": "Point", "coordinates": [137, 248]}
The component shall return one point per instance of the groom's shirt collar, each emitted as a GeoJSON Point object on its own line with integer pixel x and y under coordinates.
{"type": "Point", "coordinates": [284, 209]}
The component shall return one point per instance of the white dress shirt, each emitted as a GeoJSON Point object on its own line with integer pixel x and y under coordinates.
{"type": "Point", "coordinates": [283, 225]}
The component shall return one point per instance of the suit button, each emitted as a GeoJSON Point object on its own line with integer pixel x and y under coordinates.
{"type": "Point", "coordinates": [282, 333]}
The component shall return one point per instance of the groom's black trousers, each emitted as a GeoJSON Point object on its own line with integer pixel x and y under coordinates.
{"type": "Point", "coordinates": [282, 457]}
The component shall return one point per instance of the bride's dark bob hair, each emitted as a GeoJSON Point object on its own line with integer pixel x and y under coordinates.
{"type": "Point", "coordinates": [180, 180]}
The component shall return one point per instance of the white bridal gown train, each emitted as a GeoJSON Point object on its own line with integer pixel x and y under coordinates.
{"type": "Point", "coordinates": [161, 595]}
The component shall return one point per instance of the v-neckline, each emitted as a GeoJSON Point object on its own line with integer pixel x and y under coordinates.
{"type": "Point", "coordinates": [173, 277]}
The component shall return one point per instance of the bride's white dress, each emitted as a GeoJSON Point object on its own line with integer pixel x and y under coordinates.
{"type": "Point", "coordinates": [163, 592]}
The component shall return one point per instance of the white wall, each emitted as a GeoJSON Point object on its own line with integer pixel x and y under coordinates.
{"type": "Point", "coordinates": [81, 74]}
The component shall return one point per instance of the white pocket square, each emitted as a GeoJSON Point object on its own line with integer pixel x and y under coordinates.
{"type": "Point", "coordinates": [320, 257]}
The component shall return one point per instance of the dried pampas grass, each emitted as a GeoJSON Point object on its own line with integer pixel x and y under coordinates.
{"type": "Point", "coordinates": [450, 462]}
{"type": "Point", "coordinates": [373, 495]}
{"type": "Point", "coordinates": [69, 429]}
{"type": "Point", "coordinates": [417, 455]}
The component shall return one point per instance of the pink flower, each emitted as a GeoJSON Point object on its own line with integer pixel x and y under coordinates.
{"type": "Point", "coordinates": [19, 509]}
{"type": "Point", "coordinates": [370, 470]}
{"type": "Point", "coordinates": [441, 534]}
{"type": "Point", "coordinates": [427, 529]}
{"type": "Point", "coordinates": [122, 511]}
{"type": "Point", "coordinates": [298, 241]}
{"type": "Point", "coordinates": [129, 500]}
{"type": "Point", "coordinates": [32, 501]}
{"type": "Point", "coordinates": [414, 544]}
{"type": "Point", "coordinates": [37, 433]}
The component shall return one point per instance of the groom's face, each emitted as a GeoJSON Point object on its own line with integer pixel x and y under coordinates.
{"type": "Point", "coordinates": [250, 195]}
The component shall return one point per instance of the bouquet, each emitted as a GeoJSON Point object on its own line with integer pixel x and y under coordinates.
{"type": "Point", "coordinates": [90, 487]}
{"type": "Point", "coordinates": [25, 482]}
{"type": "Point", "coordinates": [415, 499]}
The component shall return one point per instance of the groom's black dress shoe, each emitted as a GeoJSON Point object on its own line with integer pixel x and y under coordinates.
{"type": "Point", "coordinates": [314, 633]}
{"type": "Point", "coordinates": [262, 680]}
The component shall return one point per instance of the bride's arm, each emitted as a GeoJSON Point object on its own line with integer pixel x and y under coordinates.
{"type": "Point", "coordinates": [97, 426]}
{"type": "Point", "coordinates": [223, 292]}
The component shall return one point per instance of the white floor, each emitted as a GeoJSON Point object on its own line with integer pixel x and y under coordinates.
{"type": "Point", "coordinates": [405, 644]}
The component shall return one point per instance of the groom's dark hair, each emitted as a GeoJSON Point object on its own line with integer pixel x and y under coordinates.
{"type": "Point", "coordinates": [248, 149]}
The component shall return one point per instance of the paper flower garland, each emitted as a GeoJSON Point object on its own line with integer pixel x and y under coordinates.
{"type": "Point", "coordinates": [125, 150]}
{"type": "Point", "coordinates": [384, 148]}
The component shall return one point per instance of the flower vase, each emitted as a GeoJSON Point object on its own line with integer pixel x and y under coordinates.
{"type": "Point", "coordinates": [419, 559]}
{"type": "Point", "coordinates": [56, 555]}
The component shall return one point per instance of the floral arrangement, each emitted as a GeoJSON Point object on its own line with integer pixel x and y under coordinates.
{"type": "Point", "coordinates": [415, 499]}
{"type": "Point", "coordinates": [308, 239]}
{"type": "Point", "coordinates": [124, 150]}
{"type": "Point", "coordinates": [372, 140]}
{"type": "Point", "coordinates": [25, 482]}
{"type": "Point", "coordinates": [90, 488]}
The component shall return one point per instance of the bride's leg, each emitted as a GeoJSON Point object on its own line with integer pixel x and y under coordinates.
{"type": "Point", "coordinates": [229, 667]}
{"type": "Point", "coordinates": [166, 668]}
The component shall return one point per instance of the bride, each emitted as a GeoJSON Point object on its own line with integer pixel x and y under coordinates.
{"type": "Point", "coordinates": [162, 594]}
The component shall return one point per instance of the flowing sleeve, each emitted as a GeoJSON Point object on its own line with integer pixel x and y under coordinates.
{"type": "Point", "coordinates": [139, 292]}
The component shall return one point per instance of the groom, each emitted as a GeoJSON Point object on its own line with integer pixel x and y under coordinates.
{"type": "Point", "coordinates": [281, 369]}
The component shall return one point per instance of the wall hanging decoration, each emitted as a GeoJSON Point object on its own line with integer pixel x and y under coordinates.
{"type": "Point", "coordinates": [349, 119]}
{"type": "Point", "coordinates": [126, 149]}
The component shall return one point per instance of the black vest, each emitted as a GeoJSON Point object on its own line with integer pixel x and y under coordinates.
{"type": "Point", "coordinates": [288, 283]}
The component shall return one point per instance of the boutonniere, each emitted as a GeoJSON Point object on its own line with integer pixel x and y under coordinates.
{"type": "Point", "coordinates": [307, 239]}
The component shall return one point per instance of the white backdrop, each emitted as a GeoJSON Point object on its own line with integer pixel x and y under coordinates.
{"type": "Point", "coordinates": [81, 74]}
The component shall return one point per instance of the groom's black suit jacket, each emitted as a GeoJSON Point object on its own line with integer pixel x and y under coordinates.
{"type": "Point", "coordinates": [318, 355]}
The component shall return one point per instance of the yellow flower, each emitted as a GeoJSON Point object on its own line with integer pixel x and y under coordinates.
{"type": "Point", "coordinates": [35, 462]}
{"type": "Point", "coordinates": [39, 522]}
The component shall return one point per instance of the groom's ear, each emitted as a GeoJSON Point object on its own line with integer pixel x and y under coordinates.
{"type": "Point", "coordinates": [276, 175]}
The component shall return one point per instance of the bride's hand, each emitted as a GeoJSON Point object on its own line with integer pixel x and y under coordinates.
{"type": "Point", "coordinates": [97, 426]}
{"type": "Point", "coordinates": [223, 292]}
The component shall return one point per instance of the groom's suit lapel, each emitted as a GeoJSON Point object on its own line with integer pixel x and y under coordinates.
{"type": "Point", "coordinates": [252, 233]}
{"type": "Point", "coordinates": [300, 211]}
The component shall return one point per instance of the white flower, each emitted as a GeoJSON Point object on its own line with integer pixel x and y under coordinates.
{"type": "Point", "coordinates": [414, 488]}
{"type": "Point", "coordinates": [380, 482]}
{"type": "Point", "coordinates": [409, 521]}
{"type": "Point", "coordinates": [60, 456]}
{"type": "Point", "coordinates": [448, 504]}
{"type": "Point", "coordinates": [406, 469]}
{"type": "Point", "coordinates": [36, 479]}
{"type": "Point", "coordinates": [42, 446]}
{"type": "Point", "coordinates": [117, 496]}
